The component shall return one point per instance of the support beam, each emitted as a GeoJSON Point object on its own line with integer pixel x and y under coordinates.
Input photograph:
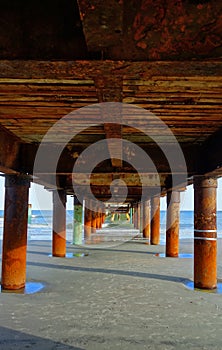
{"type": "Point", "coordinates": [135, 215]}
{"type": "Point", "coordinates": [87, 221]}
{"type": "Point", "coordinates": [98, 218]}
{"type": "Point", "coordinates": [59, 224]}
{"type": "Point", "coordinates": [210, 158]}
{"type": "Point", "coordinates": [155, 221]}
{"type": "Point", "coordinates": [77, 230]}
{"type": "Point", "coordinates": [15, 232]}
{"type": "Point", "coordinates": [131, 215]}
{"type": "Point", "coordinates": [146, 219]}
{"type": "Point", "coordinates": [173, 224]}
{"type": "Point", "coordinates": [104, 215]}
{"type": "Point", "coordinates": [109, 89]}
{"type": "Point", "coordinates": [102, 23]}
{"type": "Point", "coordinates": [9, 151]}
{"type": "Point", "coordinates": [131, 179]}
{"type": "Point", "coordinates": [94, 218]}
{"type": "Point", "coordinates": [139, 216]}
{"type": "Point", "coordinates": [67, 71]}
{"type": "Point", "coordinates": [205, 233]}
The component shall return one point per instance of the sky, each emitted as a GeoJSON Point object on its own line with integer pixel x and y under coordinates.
{"type": "Point", "coordinates": [42, 199]}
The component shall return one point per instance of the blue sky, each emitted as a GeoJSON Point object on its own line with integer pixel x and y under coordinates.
{"type": "Point", "coordinates": [42, 199]}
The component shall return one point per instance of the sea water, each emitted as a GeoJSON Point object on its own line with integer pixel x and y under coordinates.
{"type": "Point", "coordinates": [40, 227]}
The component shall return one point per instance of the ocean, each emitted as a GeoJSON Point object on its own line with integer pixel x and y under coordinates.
{"type": "Point", "coordinates": [40, 227]}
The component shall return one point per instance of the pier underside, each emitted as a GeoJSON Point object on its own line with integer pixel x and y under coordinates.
{"type": "Point", "coordinates": [114, 103]}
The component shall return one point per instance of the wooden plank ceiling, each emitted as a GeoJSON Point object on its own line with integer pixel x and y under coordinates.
{"type": "Point", "coordinates": [163, 57]}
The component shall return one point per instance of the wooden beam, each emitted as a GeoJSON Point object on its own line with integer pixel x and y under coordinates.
{"type": "Point", "coordinates": [130, 179]}
{"type": "Point", "coordinates": [66, 72]}
{"type": "Point", "coordinates": [67, 160]}
{"type": "Point", "coordinates": [210, 155]}
{"type": "Point", "coordinates": [109, 89]}
{"type": "Point", "coordinates": [102, 23]}
{"type": "Point", "coordinates": [9, 152]}
{"type": "Point", "coordinates": [103, 193]}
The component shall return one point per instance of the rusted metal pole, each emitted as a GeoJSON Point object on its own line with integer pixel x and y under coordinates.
{"type": "Point", "coordinates": [15, 232]}
{"type": "Point", "coordinates": [104, 218]}
{"type": "Point", "coordinates": [59, 224]}
{"type": "Point", "coordinates": [173, 224]}
{"type": "Point", "coordinates": [205, 232]}
{"type": "Point", "coordinates": [94, 220]}
{"type": "Point", "coordinates": [155, 221]}
{"type": "Point", "coordinates": [87, 221]}
{"type": "Point", "coordinates": [146, 219]}
{"type": "Point", "coordinates": [103, 214]}
{"type": "Point", "coordinates": [135, 215]}
{"type": "Point", "coordinates": [98, 218]}
{"type": "Point", "coordinates": [139, 217]}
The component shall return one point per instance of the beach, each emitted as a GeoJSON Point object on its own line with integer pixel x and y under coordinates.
{"type": "Point", "coordinates": [110, 295]}
{"type": "Point", "coordinates": [122, 297]}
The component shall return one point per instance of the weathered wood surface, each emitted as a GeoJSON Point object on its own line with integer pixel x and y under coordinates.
{"type": "Point", "coordinates": [65, 72]}
{"type": "Point", "coordinates": [187, 96]}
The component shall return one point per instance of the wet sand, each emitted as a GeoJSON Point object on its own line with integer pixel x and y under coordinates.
{"type": "Point", "coordinates": [117, 297]}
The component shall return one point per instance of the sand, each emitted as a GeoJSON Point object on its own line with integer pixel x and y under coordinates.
{"type": "Point", "coordinates": [118, 297]}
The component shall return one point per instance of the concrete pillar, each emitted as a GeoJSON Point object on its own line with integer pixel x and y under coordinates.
{"type": "Point", "coordinates": [131, 215]}
{"type": "Point", "coordinates": [205, 233]}
{"type": "Point", "coordinates": [87, 221]}
{"type": "Point", "coordinates": [146, 219]}
{"type": "Point", "coordinates": [15, 232]}
{"type": "Point", "coordinates": [29, 213]}
{"type": "Point", "coordinates": [59, 224]}
{"type": "Point", "coordinates": [77, 237]}
{"type": "Point", "coordinates": [173, 224]}
{"type": "Point", "coordinates": [155, 221]}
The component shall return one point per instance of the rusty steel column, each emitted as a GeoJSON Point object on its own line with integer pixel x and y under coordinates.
{"type": "Point", "coordinates": [205, 232]}
{"type": "Point", "coordinates": [173, 224]}
{"type": "Point", "coordinates": [131, 215]}
{"type": "Point", "coordinates": [146, 219]}
{"type": "Point", "coordinates": [155, 221]}
{"type": "Point", "coordinates": [103, 217]}
{"type": "Point", "coordinates": [15, 232]}
{"type": "Point", "coordinates": [93, 230]}
{"type": "Point", "coordinates": [139, 217]}
{"type": "Point", "coordinates": [87, 221]}
{"type": "Point", "coordinates": [59, 224]}
{"type": "Point", "coordinates": [135, 215]}
{"type": "Point", "coordinates": [98, 218]}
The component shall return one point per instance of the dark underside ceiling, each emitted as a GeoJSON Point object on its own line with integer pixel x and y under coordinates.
{"type": "Point", "coordinates": [162, 59]}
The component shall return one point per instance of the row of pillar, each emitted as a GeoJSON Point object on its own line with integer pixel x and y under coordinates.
{"type": "Point", "coordinates": [205, 231]}
{"type": "Point", "coordinates": [93, 220]}
{"type": "Point", "coordinates": [205, 228]}
{"type": "Point", "coordinates": [150, 219]}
